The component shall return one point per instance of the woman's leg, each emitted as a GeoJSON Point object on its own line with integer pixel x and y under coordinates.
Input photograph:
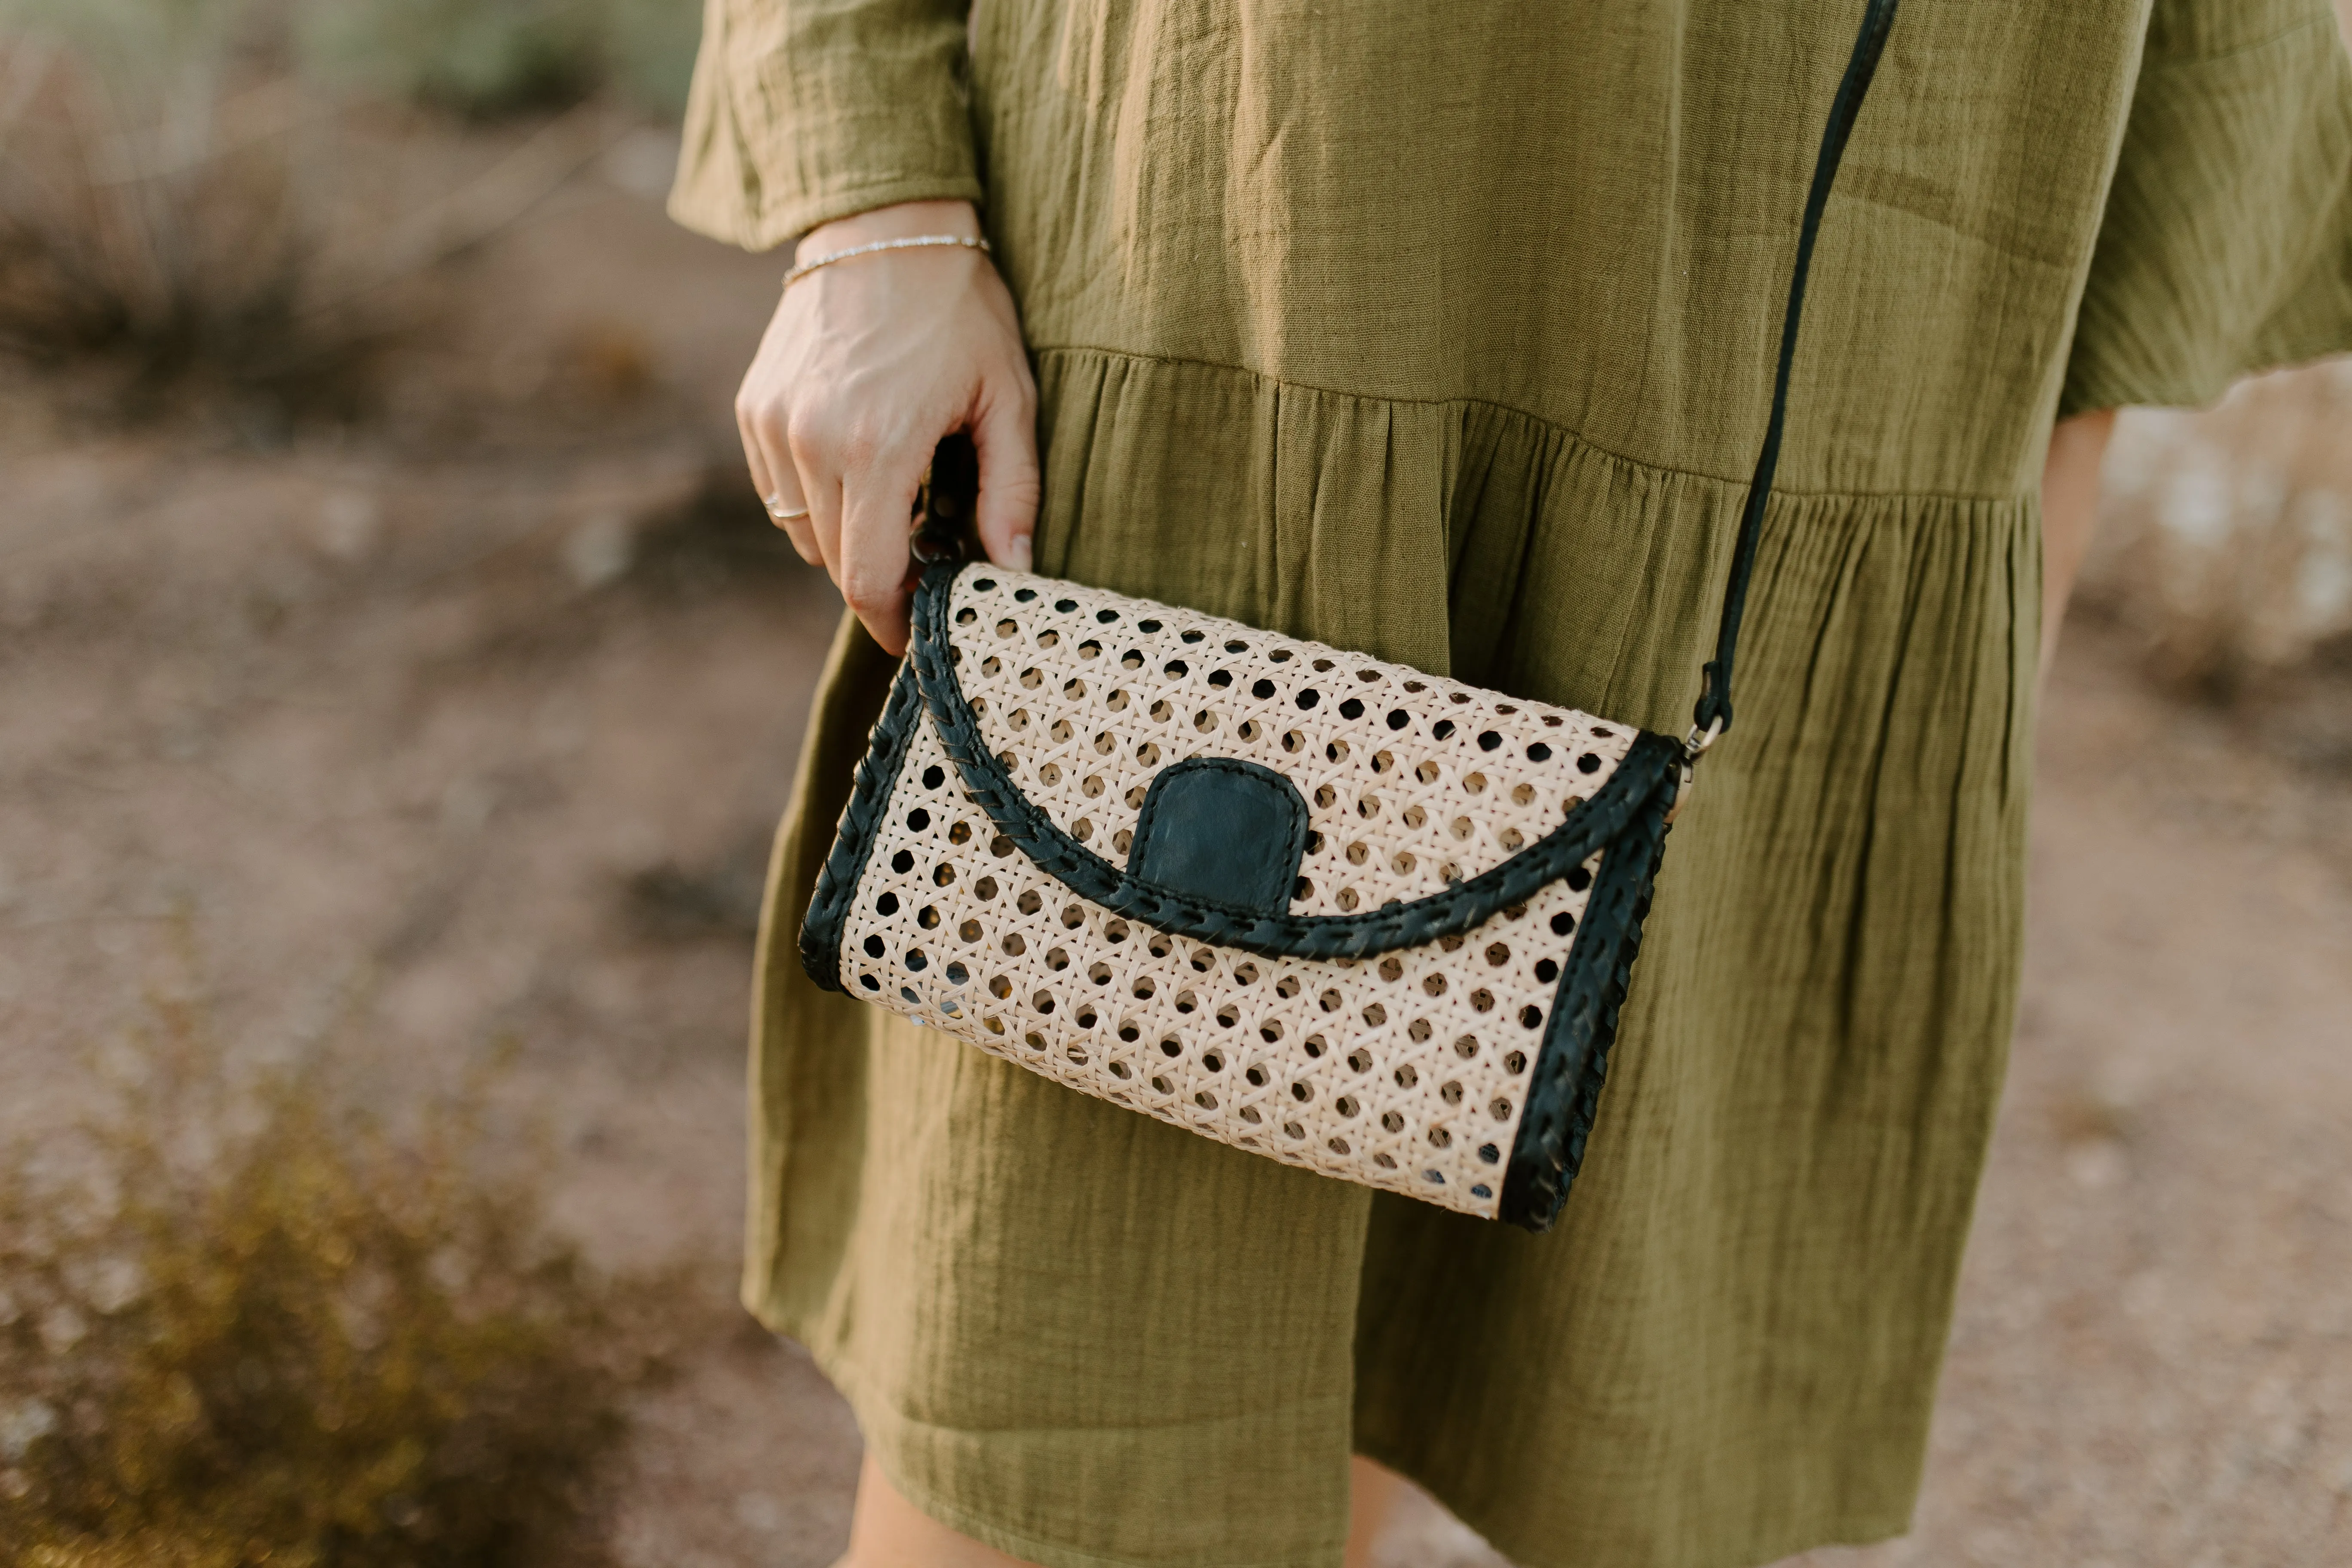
{"type": "Point", "coordinates": [886, 1530]}
{"type": "Point", "coordinates": [1372, 1490]}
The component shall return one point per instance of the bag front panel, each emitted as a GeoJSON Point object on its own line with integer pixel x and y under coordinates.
{"type": "Point", "coordinates": [1412, 782]}
{"type": "Point", "coordinates": [1406, 1071]}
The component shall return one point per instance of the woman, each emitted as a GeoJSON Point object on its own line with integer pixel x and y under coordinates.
{"type": "Point", "coordinates": [1446, 332]}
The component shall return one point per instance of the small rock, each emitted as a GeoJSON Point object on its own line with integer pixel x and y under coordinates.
{"type": "Point", "coordinates": [350, 523]}
{"type": "Point", "coordinates": [600, 549]}
{"type": "Point", "coordinates": [109, 1284]}
{"type": "Point", "coordinates": [2096, 1164]}
{"type": "Point", "coordinates": [466, 805]}
{"type": "Point", "coordinates": [643, 163]}
{"type": "Point", "coordinates": [61, 1329]}
{"type": "Point", "coordinates": [759, 1512]}
{"type": "Point", "coordinates": [23, 1423]}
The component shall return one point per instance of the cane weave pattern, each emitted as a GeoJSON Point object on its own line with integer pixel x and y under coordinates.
{"type": "Point", "coordinates": [1408, 1071]}
{"type": "Point", "coordinates": [1412, 782]}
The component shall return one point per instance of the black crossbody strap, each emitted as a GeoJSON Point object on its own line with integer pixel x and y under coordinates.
{"type": "Point", "coordinates": [1713, 714]}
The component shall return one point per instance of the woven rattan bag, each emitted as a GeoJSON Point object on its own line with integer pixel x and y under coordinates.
{"type": "Point", "coordinates": [1335, 912]}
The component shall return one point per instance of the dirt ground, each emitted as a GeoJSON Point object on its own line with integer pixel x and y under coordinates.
{"type": "Point", "coordinates": [476, 723]}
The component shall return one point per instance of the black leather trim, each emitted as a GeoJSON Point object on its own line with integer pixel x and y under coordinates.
{"type": "Point", "coordinates": [869, 797]}
{"type": "Point", "coordinates": [1713, 709]}
{"type": "Point", "coordinates": [1218, 838]}
{"type": "Point", "coordinates": [1564, 1094]}
{"type": "Point", "coordinates": [1646, 776]}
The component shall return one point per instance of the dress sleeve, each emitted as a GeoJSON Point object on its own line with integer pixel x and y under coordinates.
{"type": "Point", "coordinates": [2226, 246]}
{"type": "Point", "coordinates": [806, 111]}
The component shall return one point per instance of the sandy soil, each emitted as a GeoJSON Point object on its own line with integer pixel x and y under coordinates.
{"type": "Point", "coordinates": [487, 733]}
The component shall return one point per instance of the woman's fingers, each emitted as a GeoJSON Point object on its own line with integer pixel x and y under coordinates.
{"type": "Point", "coordinates": [1005, 438]}
{"type": "Point", "coordinates": [760, 420]}
{"type": "Point", "coordinates": [779, 480]}
{"type": "Point", "coordinates": [809, 447]}
{"type": "Point", "coordinates": [788, 506]}
{"type": "Point", "coordinates": [747, 416]}
{"type": "Point", "coordinates": [878, 502]}
{"type": "Point", "coordinates": [845, 474]}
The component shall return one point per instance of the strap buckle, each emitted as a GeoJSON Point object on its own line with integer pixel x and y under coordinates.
{"type": "Point", "coordinates": [945, 502]}
{"type": "Point", "coordinates": [928, 550]}
{"type": "Point", "coordinates": [1695, 745]}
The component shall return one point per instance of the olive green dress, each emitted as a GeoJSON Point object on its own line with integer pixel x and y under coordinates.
{"type": "Point", "coordinates": [1443, 331]}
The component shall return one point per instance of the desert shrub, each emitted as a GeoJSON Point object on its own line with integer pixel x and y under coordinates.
{"type": "Point", "coordinates": [2226, 539]}
{"type": "Point", "coordinates": [198, 289]}
{"type": "Point", "coordinates": [252, 1324]}
{"type": "Point", "coordinates": [186, 220]}
{"type": "Point", "coordinates": [157, 229]}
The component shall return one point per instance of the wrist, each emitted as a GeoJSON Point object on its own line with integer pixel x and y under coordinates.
{"type": "Point", "coordinates": [903, 220]}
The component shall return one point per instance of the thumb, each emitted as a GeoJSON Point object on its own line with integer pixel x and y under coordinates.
{"type": "Point", "coordinates": [1005, 439]}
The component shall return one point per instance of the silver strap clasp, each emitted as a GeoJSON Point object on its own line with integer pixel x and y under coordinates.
{"type": "Point", "coordinates": [1695, 745]}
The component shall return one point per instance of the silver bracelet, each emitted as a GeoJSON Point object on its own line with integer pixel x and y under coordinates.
{"type": "Point", "coordinates": [803, 268]}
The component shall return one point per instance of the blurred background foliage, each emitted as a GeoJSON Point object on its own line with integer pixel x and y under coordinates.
{"type": "Point", "coordinates": [185, 191]}
{"type": "Point", "coordinates": [245, 1320]}
{"type": "Point", "coordinates": [493, 57]}
{"type": "Point", "coordinates": [290, 1301]}
{"type": "Point", "coordinates": [481, 58]}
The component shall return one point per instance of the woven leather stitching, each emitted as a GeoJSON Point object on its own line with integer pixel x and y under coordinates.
{"type": "Point", "coordinates": [869, 797]}
{"type": "Point", "coordinates": [1649, 767]}
{"type": "Point", "coordinates": [1564, 1095]}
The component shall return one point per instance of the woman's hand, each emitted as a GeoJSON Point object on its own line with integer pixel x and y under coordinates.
{"type": "Point", "coordinates": [865, 365]}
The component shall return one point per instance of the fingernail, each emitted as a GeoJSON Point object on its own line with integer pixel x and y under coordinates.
{"type": "Point", "coordinates": [1019, 551]}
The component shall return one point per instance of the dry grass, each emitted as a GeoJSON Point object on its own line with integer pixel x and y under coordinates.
{"type": "Point", "coordinates": [163, 234]}
{"type": "Point", "coordinates": [254, 1323]}
{"type": "Point", "coordinates": [197, 198]}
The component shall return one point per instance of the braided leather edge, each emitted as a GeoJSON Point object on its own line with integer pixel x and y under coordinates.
{"type": "Point", "coordinates": [1565, 1093]}
{"type": "Point", "coordinates": [1650, 767]}
{"type": "Point", "coordinates": [861, 819]}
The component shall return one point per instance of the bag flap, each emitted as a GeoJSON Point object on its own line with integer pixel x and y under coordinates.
{"type": "Point", "coordinates": [1427, 805]}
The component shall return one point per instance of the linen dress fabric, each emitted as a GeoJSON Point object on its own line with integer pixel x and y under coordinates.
{"type": "Point", "coordinates": [1446, 332]}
